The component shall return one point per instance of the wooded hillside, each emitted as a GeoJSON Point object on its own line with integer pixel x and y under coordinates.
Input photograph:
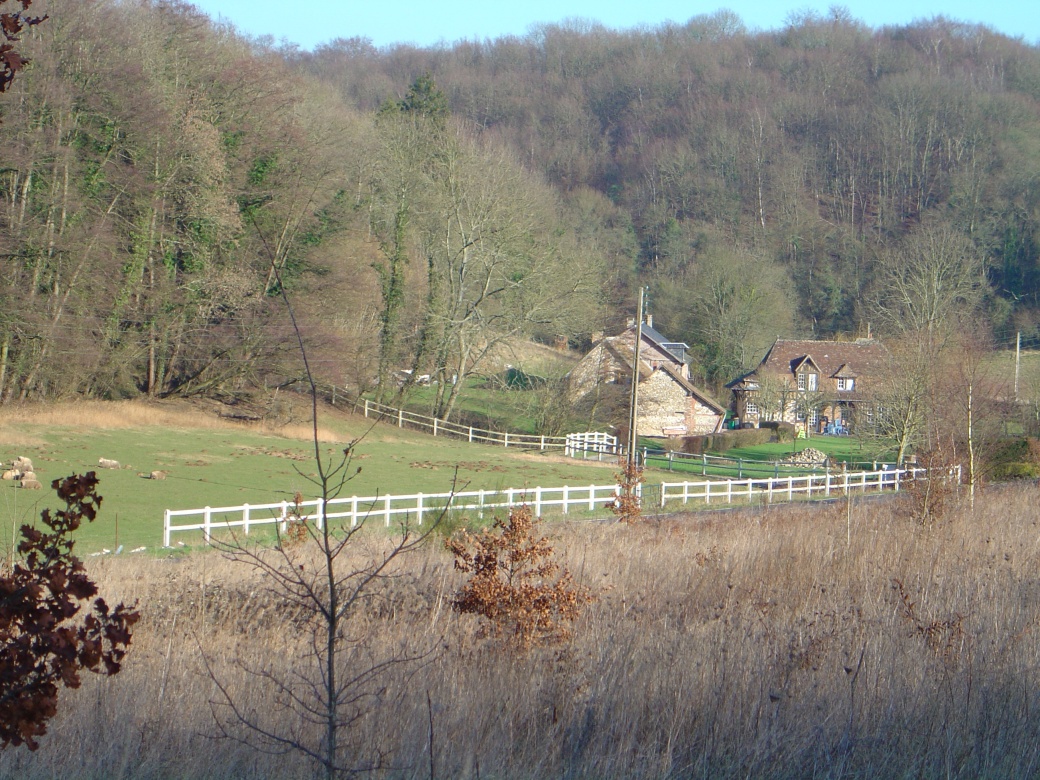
{"type": "Point", "coordinates": [163, 179]}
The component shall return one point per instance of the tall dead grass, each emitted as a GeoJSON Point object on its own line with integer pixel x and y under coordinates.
{"type": "Point", "coordinates": [752, 644]}
{"type": "Point", "coordinates": [119, 415]}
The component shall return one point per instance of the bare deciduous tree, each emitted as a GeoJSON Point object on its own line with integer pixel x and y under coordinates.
{"type": "Point", "coordinates": [314, 573]}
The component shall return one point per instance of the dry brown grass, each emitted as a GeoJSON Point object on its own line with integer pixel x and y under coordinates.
{"type": "Point", "coordinates": [118, 415]}
{"type": "Point", "coordinates": [747, 644]}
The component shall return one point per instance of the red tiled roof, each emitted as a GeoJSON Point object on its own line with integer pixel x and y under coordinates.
{"type": "Point", "coordinates": [866, 357]}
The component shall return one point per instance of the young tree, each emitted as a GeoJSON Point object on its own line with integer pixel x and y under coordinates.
{"type": "Point", "coordinates": [901, 401]}
{"type": "Point", "coordinates": [967, 413]}
{"type": "Point", "coordinates": [314, 708]}
{"type": "Point", "coordinates": [514, 582]}
{"type": "Point", "coordinates": [42, 643]}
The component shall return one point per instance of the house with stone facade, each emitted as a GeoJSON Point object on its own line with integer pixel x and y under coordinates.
{"type": "Point", "coordinates": [819, 384]}
{"type": "Point", "coordinates": [669, 403]}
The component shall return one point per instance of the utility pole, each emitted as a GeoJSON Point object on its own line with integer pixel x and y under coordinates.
{"type": "Point", "coordinates": [1018, 360]}
{"type": "Point", "coordinates": [633, 440]}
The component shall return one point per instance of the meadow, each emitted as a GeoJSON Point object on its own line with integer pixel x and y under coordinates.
{"type": "Point", "coordinates": [832, 641]}
{"type": "Point", "coordinates": [210, 461]}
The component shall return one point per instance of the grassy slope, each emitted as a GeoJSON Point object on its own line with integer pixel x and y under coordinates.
{"type": "Point", "coordinates": [215, 463]}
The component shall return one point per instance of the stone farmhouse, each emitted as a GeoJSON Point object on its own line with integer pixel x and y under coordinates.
{"type": "Point", "coordinates": [819, 384]}
{"type": "Point", "coordinates": [669, 403]}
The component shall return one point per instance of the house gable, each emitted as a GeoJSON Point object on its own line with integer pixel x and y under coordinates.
{"type": "Point", "coordinates": [669, 404]}
{"type": "Point", "coordinates": [837, 373]}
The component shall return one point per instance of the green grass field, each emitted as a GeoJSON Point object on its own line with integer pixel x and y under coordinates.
{"type": "Point", "coordinates": [212, 462]}
{"type": "Point", "coordinates": [839, 448]}
{"type": "Point", "coordinates": [227, 465]}
{"type": "Point", "coordinates": [760, 461]}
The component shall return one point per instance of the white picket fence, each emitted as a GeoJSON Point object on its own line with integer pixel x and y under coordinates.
{"type": "Point", "coordinates": [414, 508]}
{"type": "Point", "coordinates": [788, 488]}
{"type": "Point", "coordinates": [410, 508]}
{"type": "Point", "coordinates": [574, 445]}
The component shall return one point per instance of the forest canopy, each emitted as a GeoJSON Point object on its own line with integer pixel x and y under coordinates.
{"type": "Point", "coordinates": [164, 178]}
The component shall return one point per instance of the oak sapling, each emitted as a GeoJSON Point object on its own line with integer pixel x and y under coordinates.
{"type": "Point", "coordinates": [515, 584]}
{"type": "Point", "coordinates": [628, 505]}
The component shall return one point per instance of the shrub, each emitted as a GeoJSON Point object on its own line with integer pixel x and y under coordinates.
{"type": "Point", "coordinates": [785, 432]}
{"type": "Point", "coordinates": [514, 583]}
{"type": "Point", "coordinates": [627, 507]}
{"type": "Point", "coordinates": [746, 437]}
{"type": "Point", "coordinates": [696, 445]}
{"type": "Point", "coordinates": [929, 498]}
{"type": "Point", "coordinates": [1016, 459]}
{"type": "Point", "coordinates": [45, 642]}
{"type": "Point", "coordinates": [1008, 471]}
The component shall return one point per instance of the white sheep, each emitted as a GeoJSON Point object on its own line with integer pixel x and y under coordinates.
{"type": "Point", "coordinates": [22, 463]}
{"type": "Point", "coordinates": [10, 474]}
{"type": "Point", "coordinates": [31, 484]}
{"type": "Point", "coordinates": [105, 463]}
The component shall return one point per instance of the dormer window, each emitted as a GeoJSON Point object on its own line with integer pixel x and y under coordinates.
{"type": "Point", "coordinates": [807, 382]}
{"type": "Point", "coordinates": [846, 383]}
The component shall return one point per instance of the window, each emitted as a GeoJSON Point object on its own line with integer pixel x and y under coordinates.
{"type": "Point", "coordinates": [846, 383]}
{"type": "Point", "coordinates": [801, 383]}
{"type": "Point", "coordinates": [813, 382]}
{"type": "Point", "coordinates": [814, 417]}
{"type": "Point", "coordinates": [751, 408]}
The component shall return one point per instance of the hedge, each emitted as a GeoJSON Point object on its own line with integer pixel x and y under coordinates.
{"type": "Point", "coordinates": [727, 440]}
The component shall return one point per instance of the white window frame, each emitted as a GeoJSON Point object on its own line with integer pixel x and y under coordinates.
{"type": "Point", "coordinates": [846, 384]}
{"type": "Point", "coordinates": [750, 407]}
{"type": "Point", "coordinates": [801, 382]}
{"type": "Point", "coordinates": [814, 382]}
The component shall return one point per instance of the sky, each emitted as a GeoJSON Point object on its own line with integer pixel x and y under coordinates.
{"type": "Point", "coordinates": [432, 22]}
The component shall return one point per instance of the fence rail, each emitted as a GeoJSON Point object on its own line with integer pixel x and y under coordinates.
{"type": "Point", "coordinates": [744, 468]}
{"type": "Point", "coordinates": [788, 488]}
{"type": "Point", "coordinates": [574, 445]}
{"type": "Point", "coordinates": [410, 508]}
{"type": "Point", "coordinates": [587, 499]}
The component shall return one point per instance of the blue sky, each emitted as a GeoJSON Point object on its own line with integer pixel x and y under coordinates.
{"type": "Point", "coordinates": [430, 22]}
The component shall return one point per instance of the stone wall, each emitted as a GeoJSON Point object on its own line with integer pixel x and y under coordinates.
{"type": "Point", "coordinates": [663, 404]}
{"type": "Point", "coordinates": [701, 419]}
